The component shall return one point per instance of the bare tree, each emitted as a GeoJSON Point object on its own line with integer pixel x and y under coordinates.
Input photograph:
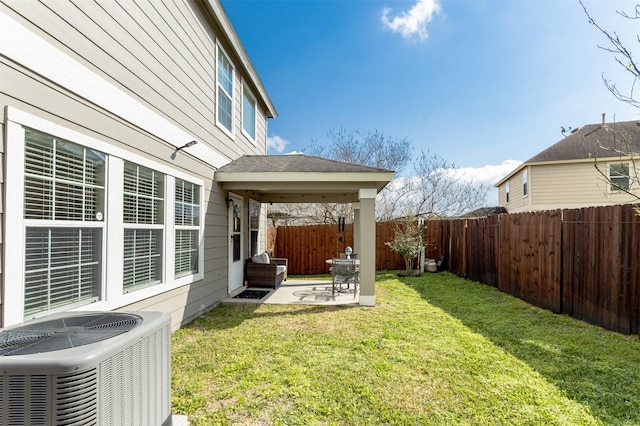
{"type": "Point", "coordinates": [437, 190]}
{"type": "Point", "coordinates": [622, 55]}
{"type": "Point", "coordinates": [373, 149]}
{"type": "Point", "coordinates": [433, 190]}
{"type": "Point", "coordinates": [622, 147]}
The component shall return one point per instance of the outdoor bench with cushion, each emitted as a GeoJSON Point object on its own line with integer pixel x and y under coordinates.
{"type": "Point", "coordinates": [262, 271]}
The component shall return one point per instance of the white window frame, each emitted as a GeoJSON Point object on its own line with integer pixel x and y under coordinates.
{"type": "Point", "coordinates": [610, 186]}
{"type": "Point", "coordinates": [149, 227]}
{"type": "Point", "coordinates": [252, 229]}
{"type": "Point", "coordinates": [220, 88]}
{"type": "Point", "coordinates": [111, 295]}
{"type": "Point", "coordinates": [506, 192]}
{"type": "Point", "coordinates": [525, 182]}
{"type": "Point", "coordinates": [248, 97]}
{"type": "Point", "coordinates": [189, 227]}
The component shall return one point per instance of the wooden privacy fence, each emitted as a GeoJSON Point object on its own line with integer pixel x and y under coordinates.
{"type": "Point", "coordinates": [580, 262]}
{"type": "Point", "coordinates": [307, 247]}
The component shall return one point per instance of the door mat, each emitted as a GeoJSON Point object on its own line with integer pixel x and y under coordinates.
{"type": "Point", "coordinates": [251, 294]}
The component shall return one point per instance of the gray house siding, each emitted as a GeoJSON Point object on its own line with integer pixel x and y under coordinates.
{"type": "Point", "coordinates": [161, 54]}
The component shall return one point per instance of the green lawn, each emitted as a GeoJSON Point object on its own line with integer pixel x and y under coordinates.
{"type": "Point", "coordinates": [435, 350]}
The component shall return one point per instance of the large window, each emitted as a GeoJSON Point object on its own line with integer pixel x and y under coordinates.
{"type": "Point", "coordinates": [187, 222]}
{"type": "Point", "coordinates": [619, 178]}
{"type": "Point", "coordinates": [143, 216]}
{"type": "Point", "coordinates": [225, 91]}
{"type": "Point", "coordinates": [248, 113]}
{"type": "Point", "coordinates": [64, 191]}
{"type": "Point", "coordinates": [88, 226]}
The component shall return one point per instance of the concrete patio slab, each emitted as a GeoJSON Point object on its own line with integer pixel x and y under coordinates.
{"type": "Point", "coordinates": [300, 292]}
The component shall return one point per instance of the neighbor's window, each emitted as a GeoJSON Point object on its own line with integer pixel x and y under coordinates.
{"type": "Point", "coordinates": [506, 187]}
{"type": "Point", "coordinates": [248, 113]}
{"type": "Point", "coordinates": [619, 177]}
{"type": "Point", "coordinates": [64, 198]}
{"type": "Point", "coordinates": [225, 91]}
{"type": "Point", "coordinates": [187, 224]}
{"type": "Point", "coordinates": [525, 182]}
{"type": "Point", "coordinates": [143, 214]}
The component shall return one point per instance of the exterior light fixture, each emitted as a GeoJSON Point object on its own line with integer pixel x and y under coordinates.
{"type": "Point", "coordinates": [187, 145]}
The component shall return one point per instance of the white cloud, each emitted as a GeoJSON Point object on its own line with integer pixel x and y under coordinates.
{"type": "Point", "coordinates": [276, 143]}
{"type": "Point", "coordinates": [414, 22]}
{"type": "Point", "coordinates": [488, 175]}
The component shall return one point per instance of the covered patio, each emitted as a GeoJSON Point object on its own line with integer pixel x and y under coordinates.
{"type": "Point", "coordinates": [307, 179]}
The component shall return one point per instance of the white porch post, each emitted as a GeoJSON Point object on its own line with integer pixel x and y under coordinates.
{"type": "Point", "coordinates": [367, 246]}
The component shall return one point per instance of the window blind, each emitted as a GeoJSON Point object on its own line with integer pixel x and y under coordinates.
{"type": "Point", "coordinates": [62, 267]}
{"type": "Point", "coordinates": [143, 204]}
{"type": "Point", "coordinates": [64, 182]}
{"type": "Point", "coordinates": [225, 91]}
{"type": "Point", "coordinates": [187, 222]}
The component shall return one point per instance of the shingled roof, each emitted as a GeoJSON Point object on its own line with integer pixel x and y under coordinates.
{"type": "Point", "coordinates": [294, 163]}
{"type": "Point", "coordinates": [593, 140]}
{"type": "Point", "coordinates": [300, 178]}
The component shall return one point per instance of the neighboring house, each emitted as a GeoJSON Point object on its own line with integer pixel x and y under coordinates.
{"type": "Point", "coordinates": [565, 174]}
{"type": "Point", "coordinates": [116, 117]}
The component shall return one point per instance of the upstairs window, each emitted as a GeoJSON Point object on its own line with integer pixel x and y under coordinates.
{"type": "Point", "coordinates": [619, 177]}
{"type": "Point", "coordinates": [525, 183]}
{"type": "Point", "coordinates": [225, 91]}
{"type": "Point", "coordinates": [248, 113]}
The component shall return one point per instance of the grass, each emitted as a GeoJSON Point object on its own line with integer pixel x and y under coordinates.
{"type": "Point", "coordinates": [435, 350]}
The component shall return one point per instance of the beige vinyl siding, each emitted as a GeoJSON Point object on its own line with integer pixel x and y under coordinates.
{"type": "Point", "coordinates": [165, 58]}
{"type": "Point", "coordinates": [566, 185]}
{"type": "Point", "coordinates": [159, 52]}
{"type": "Point", "coordinates": [517, 202]}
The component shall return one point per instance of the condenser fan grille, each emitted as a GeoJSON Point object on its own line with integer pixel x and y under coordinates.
{"type": "Point", "coordinates": [65, 333]}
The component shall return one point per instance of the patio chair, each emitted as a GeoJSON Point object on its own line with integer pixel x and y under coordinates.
{"type": "Point", "coordinates": [344, 271]}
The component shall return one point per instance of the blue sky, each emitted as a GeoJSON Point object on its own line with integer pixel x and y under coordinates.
{"type": "Point", "coordinates": [483, 83]}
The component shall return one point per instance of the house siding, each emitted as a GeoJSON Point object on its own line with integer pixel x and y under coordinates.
{"type": "Point", "coordinates": [161, 54]}
{"type": "Point", "coordinates": [566, 185]}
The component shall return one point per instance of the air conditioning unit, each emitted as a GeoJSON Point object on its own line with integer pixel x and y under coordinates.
{"type": "Point", "coordinates": [87, 368]}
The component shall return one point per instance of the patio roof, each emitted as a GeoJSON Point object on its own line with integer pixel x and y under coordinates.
{"type": "Point", "coordinates": [300, 178]}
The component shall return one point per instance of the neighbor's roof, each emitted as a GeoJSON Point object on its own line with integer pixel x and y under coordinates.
{"type": "Point", "coordinates": [587, 143]}
{"type": "Point", "coordinates": [593, 141]}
